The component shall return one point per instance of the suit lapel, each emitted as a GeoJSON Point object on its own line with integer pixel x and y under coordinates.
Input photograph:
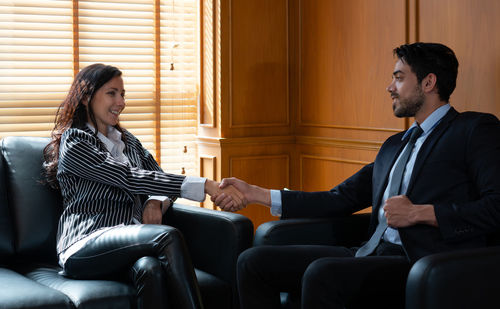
{"type": "Point", "coordinates": [428, 145]}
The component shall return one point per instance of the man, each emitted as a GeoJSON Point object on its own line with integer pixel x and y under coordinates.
{"type": "Point", "coordinates": [434, 188]}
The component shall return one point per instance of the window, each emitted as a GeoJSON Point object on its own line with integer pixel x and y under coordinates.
{"type": "Point", "coordinates": [43, 43]}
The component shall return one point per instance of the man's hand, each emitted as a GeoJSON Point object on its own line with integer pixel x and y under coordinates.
{"type": "Point", "coordinates": [251, 194]}
{"type": "Point", "coordinates": [401, 212]}
{"type": "Point", "coordinates": [151, 214]}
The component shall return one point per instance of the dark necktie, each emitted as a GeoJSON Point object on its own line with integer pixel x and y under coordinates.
{"type": "Point", "coordinates": [397, 178]}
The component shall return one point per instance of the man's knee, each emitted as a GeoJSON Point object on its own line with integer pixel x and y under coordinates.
{"type": "Point", "coordinates": [251, 260]}
{"type": "Point", "coordinates": [325, 283]}
{"type": "Point", "coordinates": [248, 257]}
{"type": "Point", "coordinates": [317, 273]}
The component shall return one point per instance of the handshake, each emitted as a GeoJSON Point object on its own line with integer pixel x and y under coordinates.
{"type": "Point", "coordinates": [233, 194]}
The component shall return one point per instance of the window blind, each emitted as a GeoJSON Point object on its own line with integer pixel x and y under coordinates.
{"type": "Point", "coordinates": [36, 66]}
{"type": "Point", "coordinates": [154, 43]}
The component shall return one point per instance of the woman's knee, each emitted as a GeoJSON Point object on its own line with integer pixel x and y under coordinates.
{"type": "Point", "coordinates": [160, 235]}
{"type": "Point", "coordinates": [147, 269]}
{"type": "Point", "coordinates": [149, 281]}
{"type": "Point", "coordinates": [147, 265]}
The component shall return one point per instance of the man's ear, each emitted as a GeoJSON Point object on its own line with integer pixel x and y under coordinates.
{"type": "Point", "coordinates": [429, 82]}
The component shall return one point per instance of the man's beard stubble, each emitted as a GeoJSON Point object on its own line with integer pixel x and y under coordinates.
{"type": "Point", "coordinates": [410, 106]}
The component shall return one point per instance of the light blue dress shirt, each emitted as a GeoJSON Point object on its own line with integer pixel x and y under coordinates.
{"type": "Point", "coordinates": [390, 235]}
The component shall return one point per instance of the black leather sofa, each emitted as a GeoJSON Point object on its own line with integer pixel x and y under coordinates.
{"type": "Point", "coordinates": [453, 280]}
{"type": "Point", "coordinates": [29, 273]}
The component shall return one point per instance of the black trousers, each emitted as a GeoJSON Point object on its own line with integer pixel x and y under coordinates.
{"type": "Point", "coordinates": [322, 277]}
{"type": "Point", "coordinates": [155, 258]}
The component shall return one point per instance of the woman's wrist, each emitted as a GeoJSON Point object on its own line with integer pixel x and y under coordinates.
{"type": "Point", "coordinates": [211, 187]}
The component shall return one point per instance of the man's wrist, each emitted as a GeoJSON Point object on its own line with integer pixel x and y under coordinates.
{"type": "Point", "coordinates": [261, 195]}
{"type": "Point", "coordinates": [424, 214]}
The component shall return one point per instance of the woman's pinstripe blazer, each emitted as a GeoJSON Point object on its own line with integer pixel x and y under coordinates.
{"type": "Point", "coordinates": [99, 191]}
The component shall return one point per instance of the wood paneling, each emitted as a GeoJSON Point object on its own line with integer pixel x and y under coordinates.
{"type": "Point", "coordinates": [208, 63]}
{"type": "Point", "coordinates": [470, 28]}
{"type": "Point", "coordinates": [269, 171]}
{"type": "Point", "coordinates": [325, 163]}
{"type": "Point", "coordinates": [346, 64]}
{"type": "Point", "coordinates": [323, 173]}
{"type": "Point", "coordinates": [258, 64]}
{"type": "Point", "coordinates": [303, 101]}
{"type": "Point", "coordinates": [208, 168]}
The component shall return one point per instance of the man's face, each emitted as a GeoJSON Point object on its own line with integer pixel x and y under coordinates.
{"type": "Point", "coordinates": [406, 93]}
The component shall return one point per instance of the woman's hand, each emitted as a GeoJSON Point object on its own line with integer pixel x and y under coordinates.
{"type": "Point", "coordinates": [151, 213]}
{"type": "Point", "coordinates": [229, 197]}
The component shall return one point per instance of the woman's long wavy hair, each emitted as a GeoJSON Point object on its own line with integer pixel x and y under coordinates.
{"type": "Point", "coordinates": [72, 113]}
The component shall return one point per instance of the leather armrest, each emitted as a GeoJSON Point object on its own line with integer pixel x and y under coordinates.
{"type": "Point", "coordinates": [460, 279]}
{"type": "Point", "coordinates": [214, 238]}
{"type": "Point", "coordinates": [346, 231]}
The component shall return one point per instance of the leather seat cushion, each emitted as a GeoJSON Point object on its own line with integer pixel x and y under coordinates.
{"type": "Point", "coordinates": [13, 288]}
{"type": "Point", "coordinates": [86, 294]}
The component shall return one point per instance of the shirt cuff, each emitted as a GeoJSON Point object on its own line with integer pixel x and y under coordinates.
{"type": "Point", "coordinates": [193, 188]}
{"type": "Point", "coordinates": [276, 203]}
{"type": "Point", "coordinates": [165, 202]}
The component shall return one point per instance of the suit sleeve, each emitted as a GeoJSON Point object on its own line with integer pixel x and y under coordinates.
{"type": "Point", "coordinates": [462, 220]}
{"type": "Point", "coordinates": [79, 155]}
{"type": "Point", "coordinates": [352, 195]}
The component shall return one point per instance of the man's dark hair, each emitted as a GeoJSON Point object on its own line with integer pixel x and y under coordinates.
{"type": "Point", "coordinates": [425, 58]}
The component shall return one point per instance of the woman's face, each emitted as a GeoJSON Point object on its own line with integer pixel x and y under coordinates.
{"type": "Point", "coordinates": [108, 103]}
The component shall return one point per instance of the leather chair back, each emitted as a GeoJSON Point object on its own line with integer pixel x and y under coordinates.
{"type": "Point", "coordinates": [6, 240]}
{"type": "Point", "coordinates": [34, 207]}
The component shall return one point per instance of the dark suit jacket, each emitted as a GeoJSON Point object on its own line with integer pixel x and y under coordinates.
{"type": "Point", "coordinates": [457, 170]}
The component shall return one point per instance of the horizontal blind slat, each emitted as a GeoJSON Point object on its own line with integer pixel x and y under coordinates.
{"type": "Point", "coordinates": [36, 69]}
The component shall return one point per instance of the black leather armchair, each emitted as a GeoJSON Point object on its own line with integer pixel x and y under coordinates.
{"type": "Point", "coordinates": [460, 279]}
{"type": "Point", "coordinates": [29, 273]}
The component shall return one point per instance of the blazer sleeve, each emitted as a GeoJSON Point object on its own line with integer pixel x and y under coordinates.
{"type": "Point", "coordinates": [462, 220]}
{"type": "Point", "coordinates": [354, 194]}
{"type": "Point", "coordinates": [81, 156]}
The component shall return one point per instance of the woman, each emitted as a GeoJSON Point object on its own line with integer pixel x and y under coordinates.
{"type": "Point", "coordinates": [113, 192]}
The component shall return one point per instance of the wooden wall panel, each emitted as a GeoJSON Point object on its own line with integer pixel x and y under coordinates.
{"type": "Point", "coordinates": [267, 171]}
{"type": "Point", "coordinates": [470, 28]}
{"type": "Point", "coordinates": [208, 64]}
{"type": "Point", "coordinates": [324, 165]}
{"type": "Point", "coordinates": [258, 59]}
{"type": "Point", "coordinates": [303, 100]}
{"type": "Point", "coordinates": [208, 168]}
{"type": "Point", "coordinates": [346, 64]}
{"type": "Point", "coordinates": [323, 173]}
{"type": "Point", "coordinates": [266, 165]}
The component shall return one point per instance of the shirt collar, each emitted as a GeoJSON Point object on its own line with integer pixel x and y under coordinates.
{"type": "Point", "coordinates": [114, 137]}
{"type": "Point", "coordinates": [431, 121]}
